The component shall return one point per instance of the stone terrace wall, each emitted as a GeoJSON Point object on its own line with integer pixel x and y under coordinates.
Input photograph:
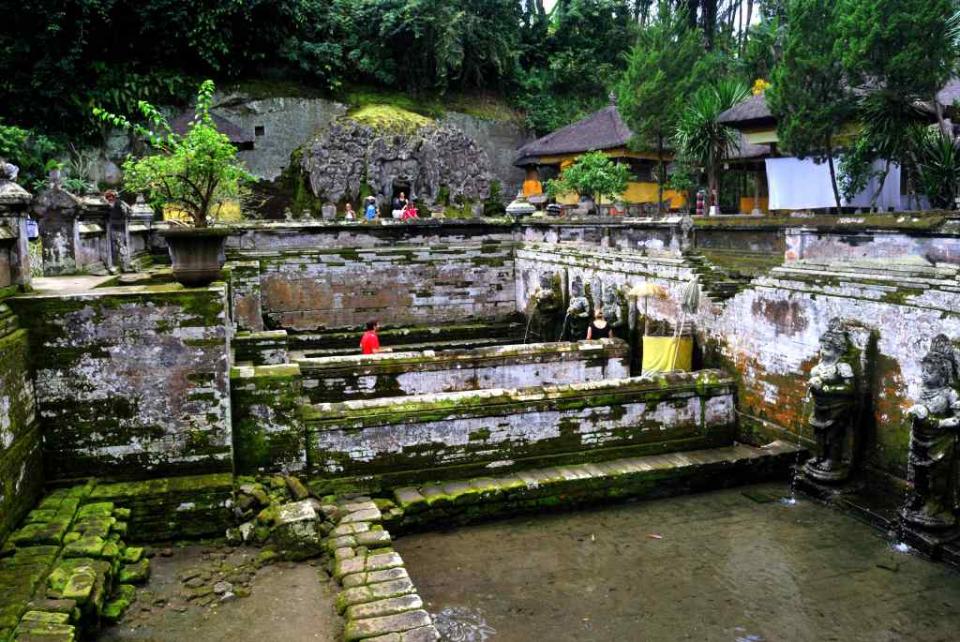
{"type": "Point", "coordinates": [21, 468]}
{"type": "Point", "coordinates": [767, 334]}
{"type": "Point", "coordinates": [332, 379]}
{"type": "Point", "coordinates": [463, 433]}
{"type": "Point", "coordinates": [314, 277]}
{"type": "Point", "coordinates": [131, 382]}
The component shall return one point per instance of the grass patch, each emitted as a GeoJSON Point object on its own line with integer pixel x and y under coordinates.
{"type": "Point", "coordinates": [389, 118]}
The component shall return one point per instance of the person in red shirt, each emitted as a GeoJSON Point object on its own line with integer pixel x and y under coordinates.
{"type": "Point", "coordinates": [370, 342]}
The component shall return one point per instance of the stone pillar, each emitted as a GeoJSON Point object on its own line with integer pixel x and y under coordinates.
{"type": "Point", "coordinates": [14, 202]}
{"type": "Point", "coordinates": [95, 251]}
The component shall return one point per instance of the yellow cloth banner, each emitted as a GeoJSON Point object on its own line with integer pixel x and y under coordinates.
{"type": "Point", "coordinates": [665, 354]}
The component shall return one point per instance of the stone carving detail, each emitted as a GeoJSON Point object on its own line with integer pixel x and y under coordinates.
{"type": "Point", "coordinates": [578, 312]}
{"type": "Point", "coordinates": [932, 462]}
{"type": "Point", "coordinates": [614, 309]}
{"type": "Point", "coordinates": [833, 388]}
{"type": "Point", "coordinates": [544, 310]}
{"type": "Point", "coordinates": [425, 162]}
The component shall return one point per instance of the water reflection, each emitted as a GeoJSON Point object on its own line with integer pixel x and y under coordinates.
{"type": "Point", "coordinates": [462, 624]}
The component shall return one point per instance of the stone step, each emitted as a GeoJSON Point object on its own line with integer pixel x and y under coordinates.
{"type": "Point", "coordinates": [568, 486]}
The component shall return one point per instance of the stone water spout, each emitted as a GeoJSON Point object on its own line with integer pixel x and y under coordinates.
{"type": "Point", "coordinates": [543, 310]}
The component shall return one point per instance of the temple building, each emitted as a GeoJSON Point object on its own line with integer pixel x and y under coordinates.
{"type": "Point", "coordinates": [605, 131]}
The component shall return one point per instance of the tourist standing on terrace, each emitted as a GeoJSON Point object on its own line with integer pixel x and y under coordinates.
{"type": "Point", "coordinates": [370, 212]}
{"type": "Point", "coordinates": [348, 213]}
{"type": "Point", "coordinates": [599, 328]}
{"type": "Point", "coordinates": [370, 342]}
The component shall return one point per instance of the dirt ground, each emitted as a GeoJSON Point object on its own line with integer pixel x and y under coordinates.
{"type": "Point", "coordinates": [208, 593]}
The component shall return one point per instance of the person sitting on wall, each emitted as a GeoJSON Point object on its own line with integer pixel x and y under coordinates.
{"type": "Point", "coordinates": [409, 212]}
{"type": "Point", "coordinates": [370, 342]}
{"type": "Point", "coordinates": [399, 205]}
{"type": "Point", "coordinates": [349, 214]}
{"type": "Point", "coordinates": [599, 328]}
{"type": "Point", "coordinates": [370, 211]}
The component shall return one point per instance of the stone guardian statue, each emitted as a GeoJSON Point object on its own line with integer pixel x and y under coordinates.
{"type": "Point", "coordinates": [833, 388]}
{"type": "Point", "coordinates": [544, 309]}
{"type": "Point", "coordinates": [932, 461]}
{"type": "Point", "coordinates": [613, 310]}
{"type": "Point", "coordinates": [578, 313]}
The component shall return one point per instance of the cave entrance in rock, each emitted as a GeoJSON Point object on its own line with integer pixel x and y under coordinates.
{"type": "Point", "coordinates": [401, 185]}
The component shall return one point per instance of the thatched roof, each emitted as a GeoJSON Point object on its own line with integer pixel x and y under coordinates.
{"type": "Point", "coordinates": [237, 136]}
{"type": "Point", "coordinates": [751, 112]}
{"type": "Point", "coordinates": [602, 129]}
{"type": "Point", "coordinates": [749, 151]}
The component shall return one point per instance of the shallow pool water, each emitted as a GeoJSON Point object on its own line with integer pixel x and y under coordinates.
{"type": "Point", "coordinates": [734, 565]}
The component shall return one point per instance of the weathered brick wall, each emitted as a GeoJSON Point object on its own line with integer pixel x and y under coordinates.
{"type": "Point", "coordinates": [131, 382]}
{"type": "Point", "coordinates": [407, 285]}
{"type": "Point", "coordinates": [331, 379]}
{"type": "Point", "coordinates": [315, 276]}
{"type": "Point", "coordinates": [462, 433]}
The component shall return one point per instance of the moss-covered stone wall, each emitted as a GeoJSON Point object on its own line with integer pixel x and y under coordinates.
{"type": "Point", "coordinates": [268, 434]}
{"type": "Point", "coordinates": [331, 379]}
{"type": "Point", "coordinates": [131, 382]}
{"type": "Point", "coordinates": [21, 469]}
{"type": "Point", "coordinates": [462, 433]}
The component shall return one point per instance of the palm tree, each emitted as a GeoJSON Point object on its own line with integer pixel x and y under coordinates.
{"type": "Point", "coordinates": [699, 135]}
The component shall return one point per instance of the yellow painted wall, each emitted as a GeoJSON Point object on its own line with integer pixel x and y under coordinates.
{"type": "Point", "coordinates": [636, 194]}
{"type": "Point", "coordinates": [228, 212]}
{"type": "Point", "coordinates": [746, 204]}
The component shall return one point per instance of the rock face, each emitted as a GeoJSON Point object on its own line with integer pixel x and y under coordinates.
{"type": "Point", "coordinates": [422, 164]}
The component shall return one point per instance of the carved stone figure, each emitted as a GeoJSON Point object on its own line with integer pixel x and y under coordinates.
{"type": "Point", "coordinates": [932, 462]}
{"type": "Point", "coordinates": [544, 310]}
{"type": "Point", "coordinates": [8, 171]}
{"type": "Point", "coordinates": [578, 312]}
{"type": "Point", "coordinates": [833, 389]}
{"type": "Point", "coordinates": [613, 309]}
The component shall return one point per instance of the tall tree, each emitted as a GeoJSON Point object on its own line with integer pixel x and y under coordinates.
{"type": "Point", "coordinates": [896, 53]}
{"type": "Point", "coordinates": [700, 137]}
{"type": "Point", "coordinates": [810, 97]}
{"type": "Point", "coordinates": [662, 71]}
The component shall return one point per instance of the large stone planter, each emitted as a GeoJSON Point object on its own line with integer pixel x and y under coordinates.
{"type": "Point", "coordinates": [196, 253]}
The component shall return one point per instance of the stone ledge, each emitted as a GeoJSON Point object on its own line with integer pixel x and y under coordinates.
{"type": "Point", "coordinates": [569, 486]}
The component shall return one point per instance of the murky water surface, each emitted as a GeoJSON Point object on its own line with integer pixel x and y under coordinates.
{"type": "Point", "coordinates": [735, 566]}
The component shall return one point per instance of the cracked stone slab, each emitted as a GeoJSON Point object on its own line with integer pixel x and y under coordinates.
{"type": "Point", "coordinates": [372, 627]}
{"type": "Point", "coordinates": [374, 577]}
{"type": "Point", "coordinates": [387, 606]}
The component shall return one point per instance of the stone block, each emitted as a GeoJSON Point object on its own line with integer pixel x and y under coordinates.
{"type": "Point", "coordinates": [375, 577]}
{"type": "Point", "coordinates": [373, 592]}
{"type": "Point", "coordinates": [372, 627]}
{"type": "Point", "coordinates": [387, 606]}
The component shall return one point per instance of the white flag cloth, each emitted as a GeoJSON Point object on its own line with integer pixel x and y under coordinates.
{"type": "Point", "coordinates": [796, 184]}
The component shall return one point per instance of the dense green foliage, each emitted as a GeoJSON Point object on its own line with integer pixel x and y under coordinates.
{"type": "Point", "coordinates": [193, 172]}
{"type": "Point", "coordinates": [810, 96]}
{"type": "Point", "coordinates": [700, 138]}
{"type": "Point", "coordinates": [663, 69]}
{"type": "Point", "coordinates": [866, 62]}
{"type": "Point", "coordinates": [594, 174]}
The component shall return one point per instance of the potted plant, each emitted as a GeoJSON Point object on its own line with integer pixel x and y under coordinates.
{"type": "Point", "coordinates": [193, 173]}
